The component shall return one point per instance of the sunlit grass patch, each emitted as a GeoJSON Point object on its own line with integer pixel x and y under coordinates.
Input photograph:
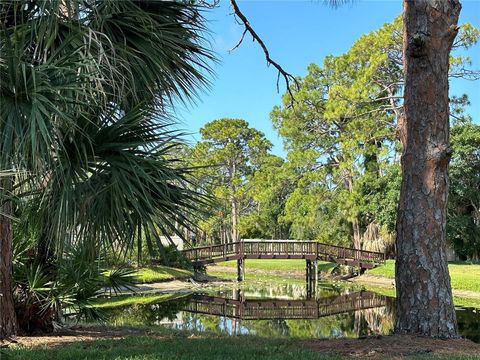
{"type": "Point", "coordinates": [387, 270]}
{"type": "Point", "coordinates": [278, 264]}
{"type": "Point", "coordinates": [139, 299]}
{"type": "Point", "coordinates": [160, 273]}
{"type": "Point", "coordinates": [464, 276]}
{"type": "Point", "coordinates": [179, 347]}
{"type": "Point", "coordinates": [168, 345]}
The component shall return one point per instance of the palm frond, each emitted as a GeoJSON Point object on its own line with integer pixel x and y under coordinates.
{"type": "Point", "coordinates": [85, 87]}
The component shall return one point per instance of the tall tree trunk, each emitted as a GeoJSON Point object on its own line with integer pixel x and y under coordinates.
{"type": "Point", "coordinates": [8, 319]}
{"type": "Point", "coordinates": [235, 216]}
{"type": "Point", "coordinates": [357, 234]}
{"type": "Point", "coordinates": [235, 234]}
{"type": "Point", "coordinates": [424, 296]}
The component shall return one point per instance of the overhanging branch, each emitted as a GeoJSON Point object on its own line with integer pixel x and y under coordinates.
{"type": "Point", "coordinates": [289, 78]}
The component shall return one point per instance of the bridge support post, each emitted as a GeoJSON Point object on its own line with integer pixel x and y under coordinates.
{"type": "Point", "coordinates": [241, 269]}
{"type": "Point", "coordinates": [311, 277]}
{"type": "Point", "coordinates": [308, 270]}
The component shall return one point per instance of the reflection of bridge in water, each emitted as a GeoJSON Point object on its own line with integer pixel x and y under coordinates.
{"type": "Point", "coordinates": [284, 309]}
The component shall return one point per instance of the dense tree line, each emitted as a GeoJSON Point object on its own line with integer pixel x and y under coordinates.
{"type": "Point", "coordinates": [340, 180]}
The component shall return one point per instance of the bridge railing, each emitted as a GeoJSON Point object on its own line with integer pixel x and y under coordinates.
{"type": "Point", "coordinates": [340, 252]}
{"type": "Point", "coordinates": [303, 248]}
{"type": "Point", "coordinates": [351, 302]}
{"type": "Point", "coordinates": [282, 248]}
{"type": "Point", "coordinates": [212, 251]}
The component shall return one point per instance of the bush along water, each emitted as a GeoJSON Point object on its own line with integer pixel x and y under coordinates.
{"type": "Point", "coordinates": [45, 292]}
{"type": "Point", "coordinates": [170, 256]}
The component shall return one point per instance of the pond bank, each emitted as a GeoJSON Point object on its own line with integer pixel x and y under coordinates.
{"type": "Point", "coordinates": [216, 320]}
{"type": "Point", "coordinates": [464, 276]}
{"type": "Point", "coordinates": [381, 281]}
{"type": "Point", "coordinates": [465, 284]}
{"type": "Point", "coordinates": [120, 343]}
{"type": "Point", "coordinates": [162, 279]}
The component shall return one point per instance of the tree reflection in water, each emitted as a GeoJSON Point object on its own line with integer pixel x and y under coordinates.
{"type": "Point", "coordinates": [346, 315]}
{"type": "Point", "coordinates": [280, 319]}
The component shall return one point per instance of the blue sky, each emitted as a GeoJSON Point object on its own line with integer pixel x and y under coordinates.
{"type": "Point", "coordinates": [297, 33]}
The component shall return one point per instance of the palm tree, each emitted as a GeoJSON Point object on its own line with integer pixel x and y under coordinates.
{"type": "Point", "coordinates": [86, 87]}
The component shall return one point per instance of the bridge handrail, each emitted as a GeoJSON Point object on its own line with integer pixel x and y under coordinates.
{"type": "Point", "coordinates": [357, 254]}
{"type": "Point", "coordinates": [276, 247]}
{"type": "Point", "coordinates": [209, 246]}
{"type": "Point", "coordinates": [280, 247]}
{"type": "Point", "coordinates": [211, 251]}
{"type": "Point", "coordinates": [350, 248]}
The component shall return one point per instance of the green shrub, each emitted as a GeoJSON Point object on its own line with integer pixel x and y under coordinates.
{"type": "Point", "coordinates": [170, 256]}
{"type": "Point", "coordinates": [44, 293]}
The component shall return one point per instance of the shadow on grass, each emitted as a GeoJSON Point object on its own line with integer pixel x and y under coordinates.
{"type": "Point", "coordinates": [185, 346]}
{"type": "Point", "coordinates": [171, 348]}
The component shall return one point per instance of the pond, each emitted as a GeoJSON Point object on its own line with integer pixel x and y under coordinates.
{"type": "Point", "coordinates": [283, 310]}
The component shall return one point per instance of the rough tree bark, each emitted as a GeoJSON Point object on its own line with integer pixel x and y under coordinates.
{"type": "Point", "coordinates": [8, 319]}
{"type": "Point", "coordinates": [424, 296]}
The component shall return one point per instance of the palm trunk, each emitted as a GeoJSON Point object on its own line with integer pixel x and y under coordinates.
{"type": "Point", "coordinates": [8, 319]}
{"type": "Point", "coordinates": [424, 296]}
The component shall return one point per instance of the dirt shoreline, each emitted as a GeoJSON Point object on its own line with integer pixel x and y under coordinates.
{"type": "Point", "coordinates": [394, 347]}
{"type": "Point", "coordinates": [375, 347]}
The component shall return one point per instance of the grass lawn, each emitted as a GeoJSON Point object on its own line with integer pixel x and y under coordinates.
{"type": "Point", "coordinates": [160, 273]}
{"type": "Point", "coordinates": [171, 348]}
{"type": "Point", "coordinates": [278, 264]}
{"type": "Point", "coordinates": [464, 276]}
{"type": "Point", "coordinates": [255, 278]}
{"type": "Point", "coordinates": [185, 346]}
{"type": "Point", "coordinates": [123, 300]}
{"type": "Point", "coordinates": [387, 270]}
{"type": "Point", "coordinates": [458, 300]}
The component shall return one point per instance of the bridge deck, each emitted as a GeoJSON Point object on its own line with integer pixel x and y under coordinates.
{"type": "Point", "coordinates": [309, 250]}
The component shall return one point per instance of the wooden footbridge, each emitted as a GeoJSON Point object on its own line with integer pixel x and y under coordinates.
{"type": "Point", "coordinates": [284, 309]}
{"type": "Point", "coordinates": [311, 251]}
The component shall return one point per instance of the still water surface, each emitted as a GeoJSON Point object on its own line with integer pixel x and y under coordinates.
{"type": "Point", "coordinates": [280, 311]}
